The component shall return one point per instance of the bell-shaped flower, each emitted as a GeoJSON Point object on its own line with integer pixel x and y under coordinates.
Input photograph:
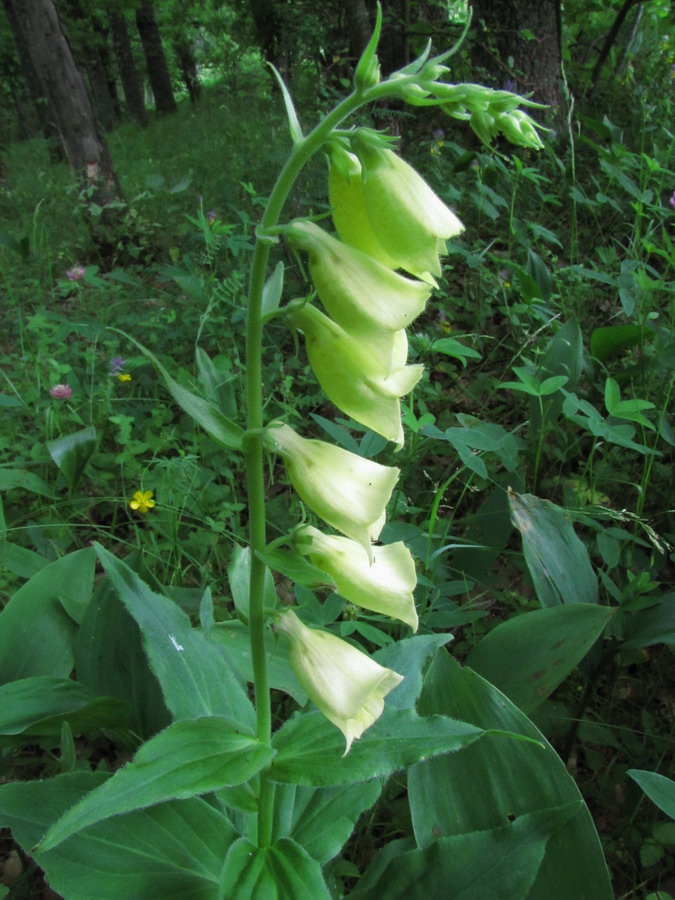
{"type": "Point", "coordinates": [363, 386]}
{"type": "Point", "coordinates": [344, 489]}
{"type": "Point", "coordinates": [385, 587]}
{"type": "Point", "coordinates": [345, 684]}
{"type": "Point", "coordinates": [409, 220]}
{"type": "Point", "coordinates": [348, 207]}
{"type": "Point", "coordinates": [360, 293]}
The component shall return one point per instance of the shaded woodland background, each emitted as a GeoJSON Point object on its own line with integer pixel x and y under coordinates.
{"type": "Point", "coordinates": [138, 142]}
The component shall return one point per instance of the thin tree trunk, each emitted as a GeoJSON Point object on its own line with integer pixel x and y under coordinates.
{"type": "Point", "coordinates": [609, 43]}
{"type": "Point", "coordinates": [519, 45]}
{"type": "Point", "coordinates": [78, 126]}
{"type": "Point", "coordinates": [43, 113]}
{"type": "Point", "coordinates": [131, 82]}
{"type": "Point", "coordinates": [188, 69]}
{"type": "Point", "coordinates": [88, 52]}
{"type": "Point", "coordinates": [158, 72]}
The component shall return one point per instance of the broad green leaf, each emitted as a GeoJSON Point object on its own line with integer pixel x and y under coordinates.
{"type": "Point", "coordinates": [20, 560]}
{"type": "Point", "coordinates": [205, 414]}
{"type": "Point", "coordinates": [626, 409]}
{"type": "Point", "coordinates": [196, 679]}
{"type": "Point", "coordinates": [607, 342]}
{"type": "Point", "coordinates": [110, 660]}
{"type": "Point", "coordinates": [174, 851]}
{"type": "Point", "coordinates": [187, 759]}
{"type": "Point", "coordinates": [499, 863]}
{"type": "Point", "coordinates": [72, 452]}
{"type": "Point", "coordinates": [409, 657]}
{"type": "Point", "coordinates": [310, 750]}
{"type": "Point", "coordinates": [295, 567]}
{"type": "Point", "coordinates": [283, 871]}
{"type": "Point", "coordinates": [39, 705]}
{"type": "Point", "coordinates": [552, 384]}
{"type": "Point", "coordinates": [529, 655]}
{"type": "Point", "coordinates": [28, 481]}
{"type": "Point", "coordinates": [454, 348]}
{"type": "Point", "coordinates": [36, 633]}
{"type": "Point", "coordinates": [658, 788]}
{"type": "Point", "coordinates": [322, 819]}
{"type": "Point", "coordinates": [234, 638]}
{"type": "Point", "coordinates": [557, 560]}
{"type": "Point", "coordinates": [652, 626]}
{"type": "Point", "coordinates": [492, 781]}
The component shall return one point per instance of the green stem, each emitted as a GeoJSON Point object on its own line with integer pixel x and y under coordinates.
{"type": "Point", "coordinates": [253, 446]}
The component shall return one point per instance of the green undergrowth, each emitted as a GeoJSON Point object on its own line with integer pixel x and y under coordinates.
{"type": "Point", "coordinates": [549, 351]}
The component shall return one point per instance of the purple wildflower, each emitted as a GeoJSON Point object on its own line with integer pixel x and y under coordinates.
{"type": "Point", "coordinates": [75, 273]}
{"type": "Point", "coordinates": [117, 365]}
{"type": "Point", "coordinates": [211, 216]}
{"type": "Point", "coordinates": [61, 391]}
{"type": "Point", "coordinates": [672, 200]}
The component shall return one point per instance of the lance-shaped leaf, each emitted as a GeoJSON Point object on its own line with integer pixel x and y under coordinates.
{"type": "Point", "coordinates": [347, 685]}
{"type": "Point", "coordinates": [174, 850]}
{"type": "Point", "coordinates": [345, 490]}
{"type": "Point", "coordinates": [282, 871]}
{"type": "Point", "coordinates": [495, 783]}
{"type": "Point", "coordinates": [557, 560]}
{"type": "Point", "coordinates": [187, 759]}
{"type": "Point", "coordinates": [195, 677]}
{"type": "Point", "coordinates": [361, 377]}
{"type": "Point", "coordinates": [386, 586]}
{"type": "Point", "coordinates": [528, 656]}
{"type": "Point", "coordinates": [311, 751]}
{"type": "Point", "coordinates": [360, 293]}
{"type": "Point", "coordinates": [71, 452]}
{"type": "Point", "coordinates": [206, 414]}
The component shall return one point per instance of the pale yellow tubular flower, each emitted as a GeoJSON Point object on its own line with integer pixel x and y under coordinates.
{"type": "Point", "coordinates": [345, 684]}
{"type": "Point", "coordinates": [347, 491]}
{"type": "Point", "coordinates": [409, 220]}
{"type": "Point", "coordinates": [359, 293]}
{"type": "Point", "coordinates": [351, 375]}
{"type": "Point", "coordinates": [348, 208]}
{"type": "Point", "coordinates": [385, 587]}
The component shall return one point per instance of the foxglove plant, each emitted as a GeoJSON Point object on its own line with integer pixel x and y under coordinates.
{"type": "Point", "coordinates": [281, 802]}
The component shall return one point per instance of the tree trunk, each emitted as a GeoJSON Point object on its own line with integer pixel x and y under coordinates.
{"type": "Point", "coordinates": [359, 27]}
{"type": "Point", "coordinates": [78, 127]}
{"type": "Point", "coordinates": [268, 19]}
{"type": "Point", "coordinates": [131, 82]}
{"type": "Point", "coordinates": [518, 46]}
{"type": "Point", "coordinates": [87, 45]}
{"type": "Point", "coordinates": [43, 113]}
{"type": "Point", "coordinates": [158, 73]}
{"type": "Point", "coordinates": [188, 69]}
